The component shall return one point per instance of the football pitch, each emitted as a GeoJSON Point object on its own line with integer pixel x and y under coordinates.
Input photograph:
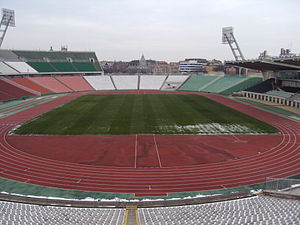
{"type": "Point", "coordinates": [143, 114]}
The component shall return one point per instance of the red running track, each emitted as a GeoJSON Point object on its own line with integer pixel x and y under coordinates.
{"type": "Point", "coordinates": [149, 164]}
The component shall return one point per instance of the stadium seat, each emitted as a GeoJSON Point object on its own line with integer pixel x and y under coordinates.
{"type": "Point", "coordinates": [151, 82]}
{"type": "Point", "coordinates": [100, 82]}
{"type": "Point", "coordinates": [126, 82]}
{"type": "Point", "coordinates": [75, 83]}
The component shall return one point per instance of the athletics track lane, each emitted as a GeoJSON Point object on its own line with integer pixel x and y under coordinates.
{"type": "Point", "coordinates": [280, 160]}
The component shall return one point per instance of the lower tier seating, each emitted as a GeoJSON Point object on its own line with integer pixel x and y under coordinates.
{"type": "Point", "coordinates": [75, 83]}
{"type": "Point", "coordinates": [100, 82]}
{"type": "Point", "coordinates": [123, 82]}
{"type": "Point", "coordinates": [151, 82]}
{"type": "Point", "coordinates": [173, 82]}
{"type": "Point", "coordinates": [29, 214]}
{"type": "Point", "coordinates": [255, 210]}
{"type": "Point", "coordinates": [52, 84]}
{"type": "Point", "coordinates": [30, 84]}
{"type": "Point", "coordinates": [9, 90]}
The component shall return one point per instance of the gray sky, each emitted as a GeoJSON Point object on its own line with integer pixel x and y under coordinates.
{"type": "Point", "coordinates": [168, 30]}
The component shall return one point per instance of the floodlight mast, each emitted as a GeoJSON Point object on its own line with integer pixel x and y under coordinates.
{"type": "Point", "coordinates": [8, 20]}
{"type": "Point", "coordinates": [228, 38]}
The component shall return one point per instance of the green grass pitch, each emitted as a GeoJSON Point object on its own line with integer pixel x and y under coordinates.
{"type": "Point", "coordinates": [143, 114]}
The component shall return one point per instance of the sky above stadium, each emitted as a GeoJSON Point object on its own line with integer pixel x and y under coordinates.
{"type": "Point", "coordinates": [167, 30]}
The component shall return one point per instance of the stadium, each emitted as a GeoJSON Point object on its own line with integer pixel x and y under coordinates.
{"type": "Point", "coordinates": [82, 147]}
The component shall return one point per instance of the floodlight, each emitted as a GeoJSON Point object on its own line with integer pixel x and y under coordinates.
{"type": "Point", "coordinates": [226, 35]}
{"type": "Point", "coordinates": [8, 17]}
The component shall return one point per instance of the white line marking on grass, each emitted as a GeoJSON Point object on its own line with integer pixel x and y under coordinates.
{"type": "Point", "coordinates": [135, 151]}
{"type": "Point", "coordinates": [156, 148]}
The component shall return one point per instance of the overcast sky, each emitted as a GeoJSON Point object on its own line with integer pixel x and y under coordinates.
{"type": "Point", "coordinates": [168, 30]}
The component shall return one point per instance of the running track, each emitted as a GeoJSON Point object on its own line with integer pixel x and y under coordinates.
{"type": "Point", "coordinates": [158, 173]}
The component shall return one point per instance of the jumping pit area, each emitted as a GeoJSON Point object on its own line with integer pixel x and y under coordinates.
{"type": "Point", "coordinates": [149, 143]}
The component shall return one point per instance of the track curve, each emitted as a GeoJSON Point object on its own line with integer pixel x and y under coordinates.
{"type": "Point", "coordinates": [280, 160]}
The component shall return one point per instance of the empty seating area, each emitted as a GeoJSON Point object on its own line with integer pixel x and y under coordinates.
{"type": "Point", "coordinates": [30, 84]}
{"type": "Point", "coordinates": [84, 66]}
{"type": "Point", "coordinates": [42, 66]}
{"type": "Point", "coordinates": [126, 82]}
{"type": "Point", "coordinates": [151, 82]}
{"type": "Point", "coordinates": [219, 84]}
{"type": "Point", "coordinates": [21, 67]}
{"type": "Point", "coordinates": [263, 87]}
{"type": "Point", "coordinates": [52, 84]}
{"type": "Point", "coordinates": [63, 66]}
{"type": "Point", "coordinates": [100, 82]}
{"type": "Point", "coordinates": [223, 83]}
{"type": "Point", "coordinates": [8, 90]}
{"type": "Point", "coordinates": [245, 83]}
{"type": "Point", "coordinates": [255, 210]}
{"type": "Point", "coordinates": [75, 83]}
{"type": "Point", "coordinates": [174, 82]}
{"type": "Point", "coordinates": [283, 94]}
{"type": "Point", "coordinates": [18, 213]}
{"type": "Point", "coordinates": [6, 69]}
{"type": "Point", "coordinates": [196, 83]}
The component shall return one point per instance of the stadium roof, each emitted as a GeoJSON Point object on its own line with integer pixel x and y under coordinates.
{"type": "Point", "coordinates": [274, 64]}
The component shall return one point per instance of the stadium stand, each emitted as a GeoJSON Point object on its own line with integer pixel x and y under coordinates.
{"type": "Point", "coordinates": [245, 83]}
{"type": "Point", "coordinates": [63, 66]}
{"type": "Point", "coordinates": [54, 56]}
{"type": "Point", "coordinates": [254, 210]}
{"type": "Point", "coordinates": [8, 55]}
{"type": "Point", "coordinates": [196, 83]}
{"type": "Point", "coordinates": [263, 87]}
{"type": "Point", "coordinates": [283, 94]}
{"type": "Point", "coordinates": [42, 66]}
{"type": "Point", "coordinates": [21, 67]}
{"type": "Point", "coordinates": [295, 97]}
{"type": "Point", "coordinates": [76, 83]}
{"type": "Point", "coordinates": [19, 213]}
{"type": "Point", "coordinates": [84, 66]}
{"type": "Point", "coordinates": [51, 83]}
{"type": "Point", "coordinates": [173, 82]}
{"type": "Point", "coordinates": [126, 82]}
{"type": "Point", "coordinates": [223, 83]}
{"type": "Point", "coordinates": [151, 82]}
{"type": "Point", "coordinates": [8, 90]}
{"type": "Point", "coordinates": [60, 61]}
{"type": "Point", "coordinates": [100, 82]}
{"type": "Point", "coordinates": [5, 69]}
{"type": "Point", "coordinates": [30, 84]}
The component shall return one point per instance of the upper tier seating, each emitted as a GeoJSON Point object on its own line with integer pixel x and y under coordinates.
{"type": "Point", "coordinates": [100, 82]}
{"type": "Point", "coordinates": [42, 66]}
{"type": "Point", "coordinates": [21, 67]}
{"type": "Point", "coordinates": [29, 214]}
{"type": "Point", "coordinates": [196, 83]}
{"type": "Point", "coordinates": [63, 66]}
{"type": "Point", "coordinates": [30, 84]}
{"type": "Point", "coordinates": [84, 66]}
{"type": "Point", "coordinates": [151, 82]}
{"type": "Point", "coordinates": [8, 90]}
{"type": "Point", "coordinates": [263, 87]}
{"type": "Point", "coordinates": [5, 69]}
{"type": "Point", "coordinates": [76, 83]}
{"type": "Point", "coordinates": [255, 210]}
{"type": "Point", "coordinates": [52, 84]}
{"type": "Point", "coordinates": [173, 82]}
{"type": "Point", "coordinates": [126, 82]}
